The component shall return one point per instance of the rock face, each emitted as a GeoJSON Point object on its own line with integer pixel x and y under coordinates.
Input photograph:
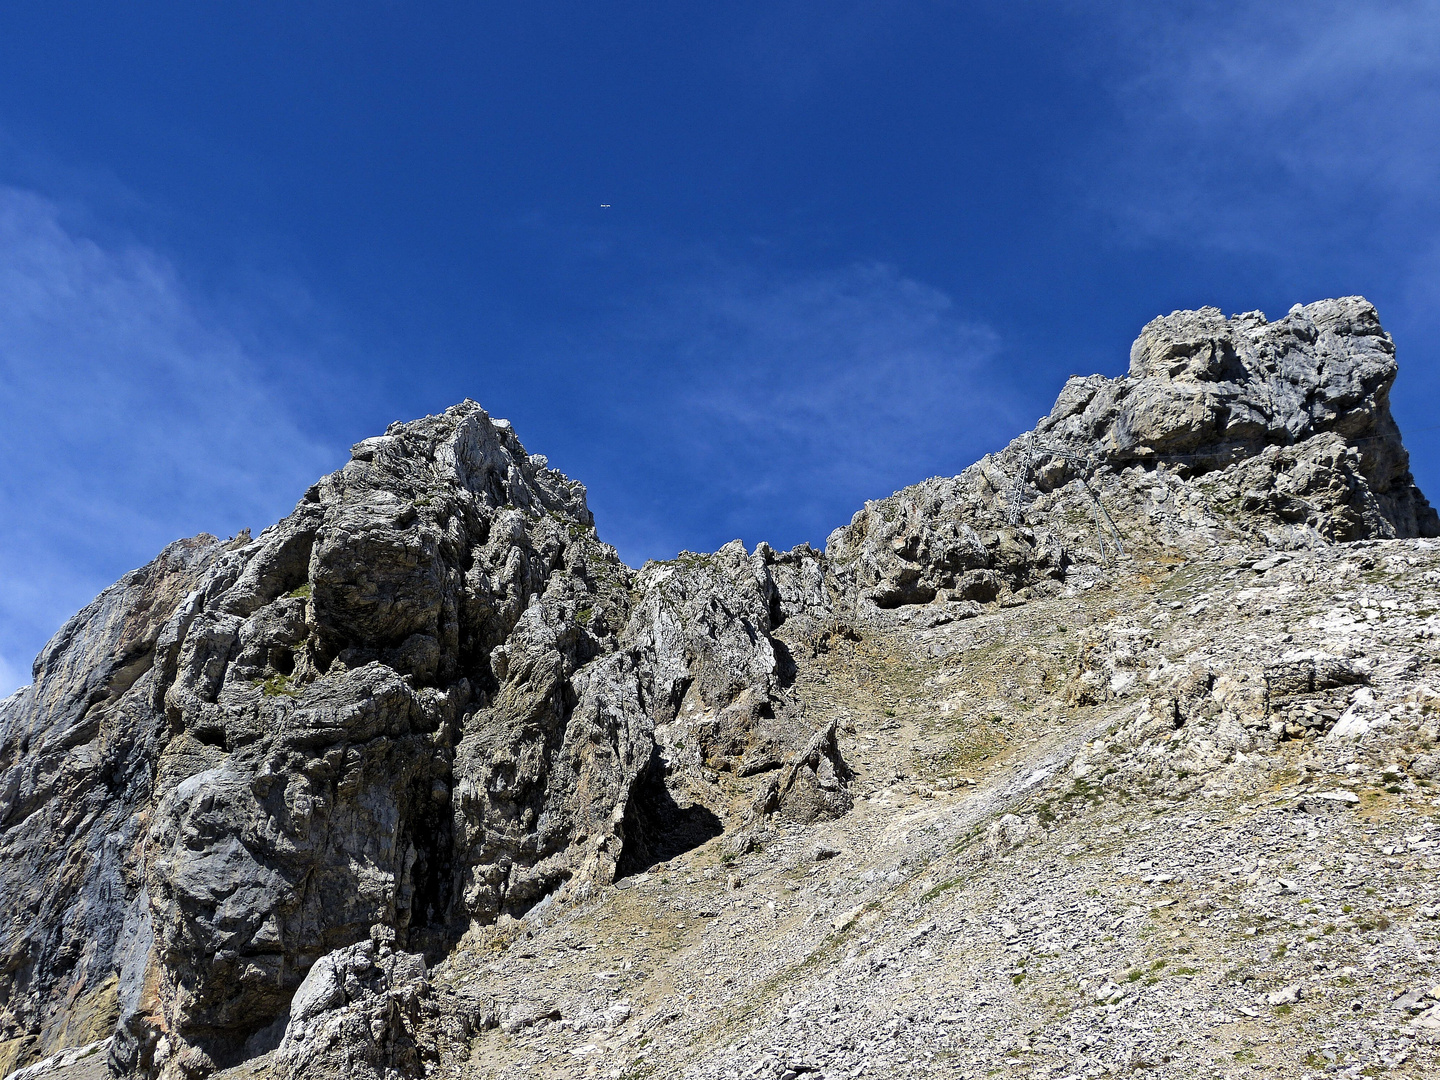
{"type": "Point", "coordinates": [1223, 430]}
{"type": "Point", "coordinates": [78, 749]}
{"type": "Point", "coordinates": [426, 698]}
{"type": "Point", "coordinates": [257, 784]}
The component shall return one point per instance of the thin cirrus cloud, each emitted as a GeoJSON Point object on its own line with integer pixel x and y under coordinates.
{"type": "Point", "coordinates": [1237, 119]}
{"type": "Point", "coordinates": [793, 397]}
{"type": "Point", "coordinates": [129, 416]}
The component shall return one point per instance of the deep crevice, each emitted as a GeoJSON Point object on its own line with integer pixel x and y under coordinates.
{"type": "Point", "coordinates": [786, 669]}
{"type": "Point", "coordinates": [657, 828]}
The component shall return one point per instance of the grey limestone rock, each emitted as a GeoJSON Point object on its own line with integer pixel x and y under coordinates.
{"type": "Point", "coordinates": [715, 678]}
{"type": "Point", "coordinates": [257, 784]}
{"type": "Point", "coordinates": [77, 754]}
{"type": "Point", "coordinates": [357, 1014]}
{"type": "Point", "coordinates": [1223, 429]}
{"type": "Point", "coordinates": [943, 539]}
{"type": "Point", "coordinates": [704, 623]}
{"type": "Point", "coordinates": [428, 697]}
{"type": "Point", "coordinates": [813, 786]}
{"type": "Point", "coordinates": [320, 691]}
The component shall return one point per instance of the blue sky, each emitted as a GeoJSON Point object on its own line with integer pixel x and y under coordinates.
{"type": "Point", "coordinates": [847, 246]}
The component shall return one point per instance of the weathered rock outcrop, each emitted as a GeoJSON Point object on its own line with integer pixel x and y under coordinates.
{"type": "Point", "coordinates": [258, 783]}
{"type": "Point", "coordinates": [356, 1016]}
{"type": "Point", "coordinates": [428, 697]}
{"type": "Point", "coordinates": [1223, 430]}
{"type": "Point", "coordinates": [812, 786]}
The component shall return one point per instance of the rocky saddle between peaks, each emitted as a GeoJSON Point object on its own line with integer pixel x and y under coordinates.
{"type": "Point", "coordinates": [431, 698]}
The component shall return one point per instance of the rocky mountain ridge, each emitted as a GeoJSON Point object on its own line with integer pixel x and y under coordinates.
{"type": "Point", "coordinates": [259, 785]}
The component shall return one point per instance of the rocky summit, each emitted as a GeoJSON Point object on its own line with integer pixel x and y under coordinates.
{"type": "Point", "coordinates": [1115, 752]}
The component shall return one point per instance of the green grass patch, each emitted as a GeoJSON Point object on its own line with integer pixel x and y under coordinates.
{"type": "Point", "coordinates": [276, 686]}
{"type": "Point", "coordinates": [943, 887]}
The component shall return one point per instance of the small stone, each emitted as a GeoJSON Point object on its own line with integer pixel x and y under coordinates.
{"type": "Point", "coordinates": [1288, 995]}
{"type": "Point", "coordinates": [1429, 1020]}
{"type": "Point", "coordinates": [1412, 1000]}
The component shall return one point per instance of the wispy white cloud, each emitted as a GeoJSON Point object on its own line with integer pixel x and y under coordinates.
{"type": "Point", "coordinates": [130, 415]}
{"type": "Point", "coordinates": [805, 393]}
{"type": "Point", "coordinates": [849, 372]}
{"type": "Point", "coordinates": [1243, 120]}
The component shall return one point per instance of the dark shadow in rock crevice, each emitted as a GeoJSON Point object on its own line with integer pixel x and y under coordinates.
{"type": "Point", "coordinates": [786, 669]}
{"type": "Point", "coordinates": [431, 927]}
{"type": "Point", "coordinates": [657, 828]}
